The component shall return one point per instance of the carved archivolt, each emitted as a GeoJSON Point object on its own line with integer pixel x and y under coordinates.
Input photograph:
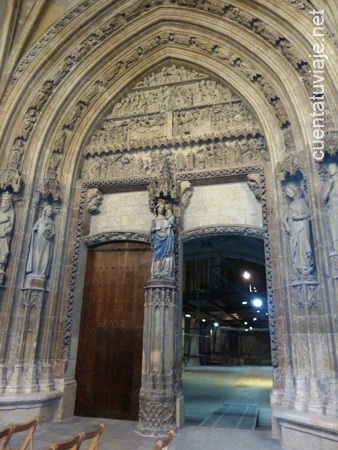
{"type": "Point", "coordinates": [196, 120]}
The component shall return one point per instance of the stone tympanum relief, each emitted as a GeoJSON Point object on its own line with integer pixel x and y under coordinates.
{"type": "Point", "coordinates": [41, 248]}
{"type": "Point", "coordinates": [297, 225]}
{"type": "Point", "coordinates": [330, 195]}
{"type": "Point", "coordinates": [176, 116]}
{"type": "Point", "coordinates": [7, 216]}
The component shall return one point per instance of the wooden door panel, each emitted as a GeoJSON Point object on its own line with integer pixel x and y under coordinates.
{"type": "Point", "coordinates": [109, 361]}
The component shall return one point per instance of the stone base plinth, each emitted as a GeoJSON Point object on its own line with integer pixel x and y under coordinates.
{"type": "Point", "coordinates": [299, 431]}
{"type": "Point", "coordinates": [157, 414]}
{"type": "Point", "coordinates": [22, 407]}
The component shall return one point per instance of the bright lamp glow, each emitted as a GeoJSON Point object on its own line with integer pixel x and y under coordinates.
{"type": "Point", "coordinates": [257, 302]}
{"type": "Point", "coordinates": [246, 275]}
{"type": "Point", "coordinates": [216, 324]}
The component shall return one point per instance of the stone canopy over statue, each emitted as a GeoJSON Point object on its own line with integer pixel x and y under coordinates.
{"type": "Point", "coordinates": [163, 241]}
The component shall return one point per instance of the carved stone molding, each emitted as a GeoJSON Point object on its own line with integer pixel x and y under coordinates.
{"type": "Point", "coordinates": [74, 275]}
{"type": "Point", "coordinates": [225, 172]}
{"type": "Point", "coordinates": [222, 230]}
{"type": "Point", "coordinates": [93, 240]}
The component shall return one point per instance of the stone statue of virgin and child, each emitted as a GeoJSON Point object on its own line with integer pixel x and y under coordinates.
{"type": "Point", "coordinates": [163, 241]}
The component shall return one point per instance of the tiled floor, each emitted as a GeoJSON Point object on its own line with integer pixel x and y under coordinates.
{"type": "Point", "coordinates": [206, 390]}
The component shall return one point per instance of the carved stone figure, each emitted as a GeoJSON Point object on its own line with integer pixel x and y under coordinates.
{"type": "Point", "coordinates": [6, 230]}
{"type": "Point", "coordinates": [41, 245]}
{"type": "Point", "coordinates": [163, 241]}
{"type": "Point", "coordinates": [254, 183]}
{"type": "Point", "coordinates": [330, 196]}
{"type": "Point", "coordinates": [95, 199]}
{"type": "Point", "coordinates": [297, 225]}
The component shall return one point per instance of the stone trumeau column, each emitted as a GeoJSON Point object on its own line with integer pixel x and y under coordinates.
{"type": "Point", "coordinates": [160, 392]}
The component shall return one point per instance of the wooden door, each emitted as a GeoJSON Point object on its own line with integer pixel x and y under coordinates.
{"type": "Point", "coordinates": [109, 360]}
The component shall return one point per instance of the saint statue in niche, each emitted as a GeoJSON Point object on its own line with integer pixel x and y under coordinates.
{"type": "Point", "coordinates": [297, 225]}
{"type": "Point", "coordinates": [163, 241]}
{"type": "Point", "coordinates": [330, 196]}
{"type": "Point", "coordinates": [41, 245]}
{"type": "Point", "coordinates": [6, 230]}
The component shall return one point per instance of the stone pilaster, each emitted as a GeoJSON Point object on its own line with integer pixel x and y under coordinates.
{"type": "Point", "coordinates": [24, 375]}
{"type": "Point", "coordinates": [158, 393]}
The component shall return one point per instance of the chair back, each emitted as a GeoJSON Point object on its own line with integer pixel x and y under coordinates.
{"type": "Point", "coordinates": [72, 443]}
{"type": "Point", "coordinates": [158, 445]}
{"type": "Point", "coordinates": [164, 443]}
{"type": "Point", "coordinates": [167, 439]}
{"type": "Point", "coordinates": [94, 435]}
{"type": "Point", "coordinates": [29, 426]}
{"type": "Point", "coordinates": [5, 435]}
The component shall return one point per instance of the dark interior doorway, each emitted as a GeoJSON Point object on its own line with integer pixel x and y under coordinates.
{"type": "Point", "coordinates": [109, 360]}
{"type": "Point", "coordinates": [226, 318]}
{"type": "Point", "coordinates": [227, 351]}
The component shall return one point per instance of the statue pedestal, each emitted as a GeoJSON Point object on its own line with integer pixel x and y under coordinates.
{"type": "Point", "coordinates": [159, 391]}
